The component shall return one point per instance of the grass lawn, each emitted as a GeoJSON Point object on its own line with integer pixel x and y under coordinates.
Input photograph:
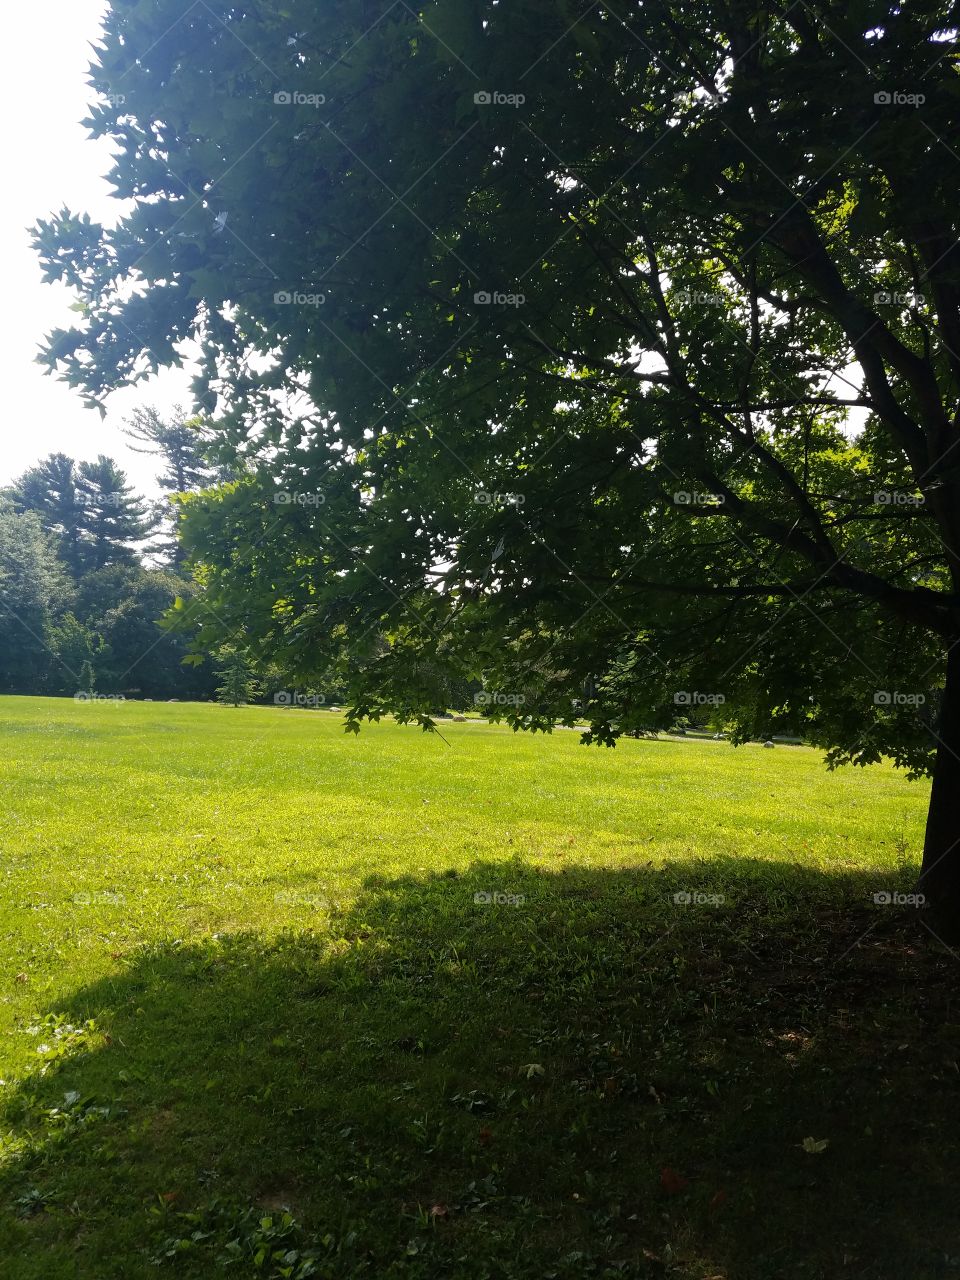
{"type": "Point", "coordinates": [254, 1022]}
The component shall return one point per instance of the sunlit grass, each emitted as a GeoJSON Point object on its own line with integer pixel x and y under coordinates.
{"type": "Point", "coordinates": [295, 999]}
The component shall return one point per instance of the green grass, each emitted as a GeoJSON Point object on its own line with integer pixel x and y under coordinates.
{"type": "Point", "coordinates": [255, 1024]}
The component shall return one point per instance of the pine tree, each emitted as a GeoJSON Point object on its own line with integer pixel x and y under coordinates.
{"type": "Point", "coordinates": [50, 489]}
{"type": "Point", "coordinates": [88, 679]}
{"type": "Point", "coordinates": [180, 443]}
{"type": "Point", "coordinates": [34, 591]}
{"type": "Point", "coordinates": [237, 684]}
{"type": "Point", "coordinates": [91, 509]}
{"type": "Point", "coordinates": [113, 519]}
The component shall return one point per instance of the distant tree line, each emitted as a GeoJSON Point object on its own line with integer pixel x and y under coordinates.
{"type": "Point", "coordinates": [88, 568]}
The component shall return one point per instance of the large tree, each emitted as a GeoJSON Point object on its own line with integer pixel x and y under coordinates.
{"type": "Point", "coordinates": [51, 490]}
{"type": "Point", "coordinates": [123, 606]}
{"type": "Point", "coordinates": [114, 519]}
{"type": "Point", "coordinates": [91, 508]}
{"type": "Point", "coordinates": [34, 591]}
{"type": "Point", "coordinates": [629, 338]}
{"type": "Point", "coordinates": [180, 444]}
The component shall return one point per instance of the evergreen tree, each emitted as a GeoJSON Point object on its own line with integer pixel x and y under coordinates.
{"type": "Point", "coordinates": [180, 443]}
{"type": "Point", "coordinates": [113, 518]}
{"type": "Point", "coordinates": [33, 590]}
{"type": "Point", "coordinates": [88, 679]}
{"type": "Point", "coordinates": [90, 508]}
{"type": "Point", "coordinates": [50, 489]}
{"type": "Point", "coordinates": [237, 684]}
{"type": "Point", "coordinates": [60, 516]}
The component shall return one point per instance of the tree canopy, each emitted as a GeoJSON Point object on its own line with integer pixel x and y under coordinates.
{"type": "Point", "coordinates": [33, 589]}
{"type": "Point", "coordinates": [90, 508]}
{"type": "Point", "coordinates": [79, 610]}
{"type": "Point", "coordinates": [612, 352]}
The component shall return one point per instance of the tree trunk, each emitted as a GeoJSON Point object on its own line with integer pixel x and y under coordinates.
{"type": "Point", "coordinates": [940, 872]}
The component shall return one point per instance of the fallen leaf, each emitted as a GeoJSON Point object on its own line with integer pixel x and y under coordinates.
{"type": "Point", "coordinates": [815, 1146]}
{"type": "Point", "coordinates": [486, 1136]}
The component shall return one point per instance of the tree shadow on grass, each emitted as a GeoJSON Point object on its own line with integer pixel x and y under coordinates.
{"type": "Point", "coordinates": [573, 1075]}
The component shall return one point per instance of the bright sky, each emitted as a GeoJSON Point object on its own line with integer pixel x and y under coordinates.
{"type": "Point", "coordinates": [55, 163]}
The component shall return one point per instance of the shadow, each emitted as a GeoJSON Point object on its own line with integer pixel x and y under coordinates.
{"type": "Point", "coordinates": [579, 1077]}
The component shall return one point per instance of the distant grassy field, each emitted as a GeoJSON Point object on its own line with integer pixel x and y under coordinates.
{"type": "Point", "coordinates": [255, 1022]}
